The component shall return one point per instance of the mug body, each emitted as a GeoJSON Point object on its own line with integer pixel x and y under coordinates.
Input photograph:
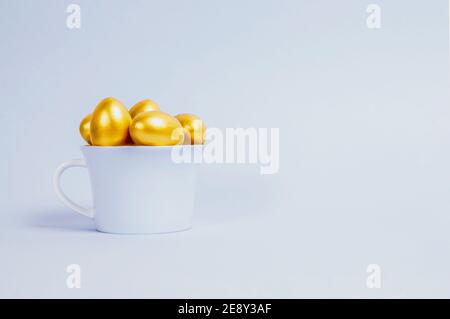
{"type": "Point", "coordinates": [139, 189]}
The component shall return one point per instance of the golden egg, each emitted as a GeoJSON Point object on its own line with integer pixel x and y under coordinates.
{"type": "Point", "coordinates": [156, 128]}
{"type": "Point", "coordinates": [110, 123]}
{"type": "Point", "coordinates": [143, 106]}
{"type": "Point", "coordinates": [194, 126]}
{"type": "Point", "coordinates": [85, 128]}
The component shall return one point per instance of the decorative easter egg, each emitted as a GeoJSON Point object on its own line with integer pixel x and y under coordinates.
{"type": "Point", "coordinates": [156, 128]}
{"type": "Point", "coordinates": [143, 106]}
{"type": "Point", "coordinates": [194, 127]}
{"type": "Point", "coordinates": [110, 123]}
{"type": "Point", "coordinates": [85, 128]}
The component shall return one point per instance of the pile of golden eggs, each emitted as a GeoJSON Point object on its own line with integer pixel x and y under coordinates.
{"type": "Point", "coordinates": [111, 124]}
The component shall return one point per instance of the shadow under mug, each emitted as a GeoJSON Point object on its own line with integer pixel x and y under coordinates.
{"type": "Point", "coordinates": [136, 189]}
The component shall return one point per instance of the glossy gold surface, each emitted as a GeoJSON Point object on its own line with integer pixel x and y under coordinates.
{"type": "Point", "coordinates": [85, 128]}
{"type": "Point", "coordinates": [110, 123]}
{"type": "Point", "coordinates": [194, 126]}
{"type": "Point", "coordinates": [156, 128]}
{"type": "Point", "coordinates": [143, 106]}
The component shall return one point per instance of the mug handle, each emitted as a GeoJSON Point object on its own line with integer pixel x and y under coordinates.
{"type": "Point", "coordinates": [89, 212]}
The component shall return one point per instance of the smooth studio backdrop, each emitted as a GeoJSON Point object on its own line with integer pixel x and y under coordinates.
{"type": "Point", "coordinates": [364, 125]}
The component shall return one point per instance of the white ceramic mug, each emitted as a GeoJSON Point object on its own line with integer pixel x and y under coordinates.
{"type": "Point", "coordinates": [136, 189]}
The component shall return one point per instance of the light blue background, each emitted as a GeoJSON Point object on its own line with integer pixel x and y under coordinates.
{"type": "Point", "coordinates": [364, 120]}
